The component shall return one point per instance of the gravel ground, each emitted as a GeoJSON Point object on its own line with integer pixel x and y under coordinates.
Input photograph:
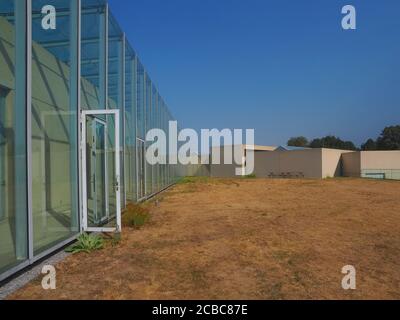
{"type": "Point", "coordinates": [30, 275]}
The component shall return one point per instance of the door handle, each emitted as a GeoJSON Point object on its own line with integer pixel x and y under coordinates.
{"type": "Point", "coordinates": [117, 184]}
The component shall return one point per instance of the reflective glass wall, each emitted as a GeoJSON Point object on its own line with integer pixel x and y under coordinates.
{"type": "Point", "coordinates": [140, 131]}
{"type": "Point", "coordinates": [57, 58]}
{"type": "Point", "coordinates": [94, 26]}
{"type": "Point", "coordinates": [148, 126]}
{"type": "Point", "coordinates": [13, 175]}
{"type": "Point", "coordinates": [54, 122]}
{"type": "Point", "coordinates": [114, 77]}
{"type": "Point", "coordinates": [115, 100]}
{"type": "Point", "coordinates": [130, 124]}
{"type": "Point", "coordinates": [93, 54]}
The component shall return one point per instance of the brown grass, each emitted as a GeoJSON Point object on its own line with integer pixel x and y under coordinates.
{"type": "Point", "coordinates": [135, 216]}
{"type": "Point", "coordinates": [248, 239]}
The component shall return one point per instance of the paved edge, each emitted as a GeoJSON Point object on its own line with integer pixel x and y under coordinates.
{"type": "Point", "coordinates": [30, 275]}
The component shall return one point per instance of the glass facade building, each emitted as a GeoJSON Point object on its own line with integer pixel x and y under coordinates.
{"type": "Point", "coordinates": [75, 106]}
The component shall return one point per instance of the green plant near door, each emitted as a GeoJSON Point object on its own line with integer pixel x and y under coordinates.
{"type": "Point", "coordinates": [87, 243]}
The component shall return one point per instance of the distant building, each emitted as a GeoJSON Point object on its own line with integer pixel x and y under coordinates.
{"type": "Point", "coordinates": [295, 162]}
{"type": "Point", "coordinates": [229, 170]}
{"type": "Point", "coordinates": [289, 148]}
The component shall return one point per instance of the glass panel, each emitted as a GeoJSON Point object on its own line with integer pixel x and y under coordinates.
{"type": "Point", "coordinates": [93, 55]}
{"type": "Point", "coordinates": [141, 169]}
{"type": "Point", "coordinates": [54, 124]}
{"type": "Point", "coordinates": [110, 153]}
{"type": "Point", "coordinates": [115, 83]}
{"type": "Point", "coordinates": [100, 171]}
{"type": "Point", "coordinates": [114, 64]}
{"type": "Point", "coordinates": [140, 101]}
{"type": "Point", "coordinates": [130, 124]}
{"type": "Point", "coordinates": [154, 109]}
{"type": "Point", "coordinates": [163, 128]}
{"type": "Point", "coordinates": [165, 167]}
{"type": "Point", "coordinates": [13, 209]}
{"type": "Point", "coordinates": [148, 114]}
{"type": "Point", "coordinates": [96, 171]}
{"type": "Point", "coordinates": [140, 130]}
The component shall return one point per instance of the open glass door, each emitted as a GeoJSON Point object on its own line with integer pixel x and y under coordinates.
{"type": "Point", "coordinates": [101, 171]}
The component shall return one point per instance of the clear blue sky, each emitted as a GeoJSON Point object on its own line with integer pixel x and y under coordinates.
{"type": "Point", "coordinates": [284, 68]}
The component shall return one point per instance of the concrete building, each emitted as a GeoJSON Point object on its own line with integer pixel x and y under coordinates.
{"type": "Point", "coordinates": [287, 162]}
{"type": "Point", "coordinates": [306, 163]}
{"type": "Point", "coordinates": [372, 164]}
{"type": "Point", "coordinates": [229, 169]}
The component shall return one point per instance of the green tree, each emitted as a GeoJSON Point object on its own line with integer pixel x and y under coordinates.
{"type": "Point", "coordinates": [316, 143]}
{"type": "Point", "coordinates": [332, 142]}
{"type": "Point", "coordinates": [298, 142]}
{"type": "Point", "coordinates": [389, 139]}
{"type": "Point", "coordinates": [370, 145]}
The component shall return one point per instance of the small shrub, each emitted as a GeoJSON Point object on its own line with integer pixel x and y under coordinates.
{"type": "Point", "coordinates": [135, 216]}
{"type": "Point", "coordinates": [87, 243]}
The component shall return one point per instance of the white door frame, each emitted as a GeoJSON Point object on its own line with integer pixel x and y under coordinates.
{"type": "Point", "coordinates": [84, 223]}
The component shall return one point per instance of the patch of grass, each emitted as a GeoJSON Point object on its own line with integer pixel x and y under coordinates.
{"type": "Point", "coordinates": [281, 255]}
{"type": "Point", "coordinates": [198, 278]}
{"type": "Point", "coordinates": [135, 216]}
{"type": "Point", "coordinates": [87, 243]}
{"type": "Point", "coordinates": [191, 180]}
{"type": "Point", "coordinates": [276, 291]}
{"type": "Point", "coordinates": [250, 176]}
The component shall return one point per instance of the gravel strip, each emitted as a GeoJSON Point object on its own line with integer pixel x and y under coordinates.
{"type": "Point", "coordinates": [22, 280]}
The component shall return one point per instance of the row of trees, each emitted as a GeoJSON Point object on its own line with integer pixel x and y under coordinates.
{"type": "Point", "coordinates": [325, 142]}
{"type": "Point", "coordinates": [388, 140]}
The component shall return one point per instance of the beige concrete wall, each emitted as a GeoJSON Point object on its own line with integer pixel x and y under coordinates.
{"type": "Point", "coordinates": [307, 163]}
{"type": "Point", "coordinates": [261, 148]}
{"type": "Point", "coordinates": [351, 164]}
{"type": "Point", "coordinates": [380, 164]}
{"type": "Point", "coordinates": [224, 170]}
{"type": "Point", "coordinates": [332, 165]}
{"type": "Point", "coordinates": [386, 160]}
{"type": "Point", "coordinates": [357, 163]}
{"type": "Point", "coordinates": [317, 163]}
{"type": "Point", "coordinates": [310, 163]}
{"type": "Point", "coordinates": [266, 162]}
{"type": "Point", "coordinates": [193, 169]}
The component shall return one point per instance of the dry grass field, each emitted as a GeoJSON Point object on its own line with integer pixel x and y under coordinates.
{"type": "Point", "coordinates": [247, 239]}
